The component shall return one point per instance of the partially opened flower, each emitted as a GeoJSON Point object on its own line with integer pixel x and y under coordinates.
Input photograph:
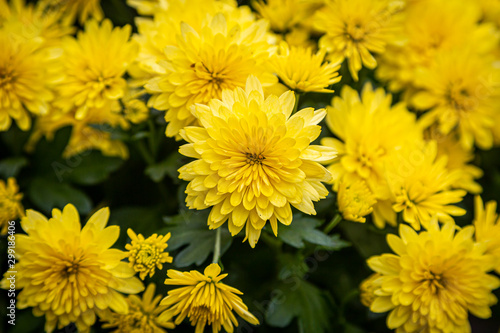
{"type": "Point", "coordinates": [145, 255]}
{"type": "Point", "coordinates": [254, 160]}
{"type": "Point", "coordinates": [144, 315]}
{"type": "Point", "coordinates": [68, 273]}
{"type": "Point", "coordinates": [355, 200]}
{"type": "Point", "coordinates": [205, 300]}
{"type": "Point", "coordinates": [10, 203]}
{"type": "Point", "coordinates": [433, 280]}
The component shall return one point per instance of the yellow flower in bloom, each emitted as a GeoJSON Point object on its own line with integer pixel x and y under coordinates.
{"type": "Point", "coordinates": [73, 9]}
{"type": "Point", "coordinates": [134, 109]}
{"type": "Point", "coordinates": [145, 255]}
{"type": "Point", "coordinates": [68, 273]}
{"type": "Point", "coordinates": [204, 299]}
{"type": "Point", "coordinates": [458, 159]}
{"type": "Point", "coordinates": [302, 71]}
{"type": "Point", "coordinates": [94, 73]}
{"type": "Point", "coordinates": [30, 21]}
{"type": "Point", "coordinates": [367, 289]}
{"type": "Point", "coordinates": [26, 80]}
{"type": "Point", "coordinates": [84, 135]}
{"type": "Point", "coordinates": [253, 160]}
{"type": "Point", "coordinates": [143, 316]}
{"type": "Point", "coordinates": [369, 132]}
{"type": "Point", "coordinates": [421, 185]}
{"type": "Point", "coordinates": [355, 29]}
{"type": "Point", "coordinates": [284, 15]}
{"type": "Point", "coordinates": [433, 280]}
{"type": "Point", "coordinates": [204, 63]}
{"type": "Point", "coordinates": [148, 7]}
{"type": "Point", "coordinates": [487, 224]}
{"type": "Point", "coordinates": [10, 203]}
{"type": "Point", "coordinates": [461, 90]}
{"type": "Point", "coordinates": [355, 200]}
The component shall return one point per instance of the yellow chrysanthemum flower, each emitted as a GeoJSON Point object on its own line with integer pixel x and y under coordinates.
{"type": "Point", "coordinates": [68, 273]}
{"type": "Point", "coordinates": [134, 109]}
{"type": "Point", "coordinates": [29, 21]}
{"type": "Point", "coordinates": [354, 29]}
{"type": "Point", "coordinates": [355, 200]}
{"type": "Point", "coordinates": [204, 299]}
{"type": "Point", "coordinates": [367, 289]}
{"type": "Point", "coordinates": [253, 160]}
{"type": "Point", "coordinates": [302, 71]}
{"type": "Point", "coordinates": [458, 164]}
{"type": "Point", "coordinates": [204, 63]}
{"type": "Point", "coordinates": [369, 132]}
{"type": "Point", "coordinates": [433, 280]}
{"type": "Point", "coordinates": [421, 186]}
{"type": "Point", "coordinates": [487, 224]}
{"type": "Point", "coordinates": [461, 90]}
{"type": "Point", "coordinates": [73, 9]}
{"type": "Point", "coordinates": [143, 316]}
{"type": "Point", "coordinates": [148, 7]}
{"type": "Point", "coordinates": [93, 73]}
{"type": "Point", "coordinates": [145, 255]}
{"type": "Point", "coordinates": [84, 135]}
{"type": "Point", "coordinates": [10, 203]}
{"type": "Point", "coordinates": [27, 80]}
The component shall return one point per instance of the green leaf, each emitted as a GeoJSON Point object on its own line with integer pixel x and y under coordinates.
{"type": "Point", "coordinates": [166, 167]}
{"type": "Point", "coordinates": [10, 167]}
{"type": "Point", "coordinates": [93, 168]}
{"type": "Point", "coordinates": [143, 220]}
{"type": "Point", "coordinates": [301, 299]}
{"type": "Point", "coordinates": [304, 229]}
{"type": "Point", "coordinates": [190, 232]}
{"type": "Point", "coordinates": [47, 194]}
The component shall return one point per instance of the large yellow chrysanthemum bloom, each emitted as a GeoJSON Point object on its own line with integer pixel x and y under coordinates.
{"type": "Point", "coordinates": [31, 21]}
{"type": "Point", "coordinates": [68, 273]}
{"type": "Point", "coordinates": [432, 26]}
{"type": "Point", "coordinates": [10, 203]}
{"type": "Point", "coordinates": [354, 29]}
{"type": "Point", "coordinates": [421, 186]}
{"type": "Point", "coordinates": [302, 71]}
{"type": "Point", "coordinates": [145, 255]}
{"type": "Point", "coordinates": [204, 299]}
{"type": "Point", "coordinates": [461, 90]}
{"type": "Point", "coordinates": [94, 65]}
{"type": "Point", "coordinates": [76, 9]}
{"type": "Point", "coordinates": [204, 63]}
{"type": "Point", "coordinates": [487, 224]}
{"type": "Point", "coordinates": [143, 316]}
{"type": "Point", "coordinates": [433, 280]}
{"type": "Point", "coordinates": [27, 79]}
{"type": "Point", "coordinates": [84, 136]}
{"type": "Point", "coordinates": [369, 131]}
{"type": "Point", "coordinates": [254, 160]}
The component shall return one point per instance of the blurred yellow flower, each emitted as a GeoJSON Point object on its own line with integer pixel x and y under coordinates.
{"type": "Point", "coordinates": [10, 203]}
{"type": "Point", "coordinates": [367, 289]}
{"type": "Point", "coordinates": [68, 273]}
{"type": "Point", "coordinates": [204, 299]}
{"type": "Point", "coordinates": [354, 29]}
{"type": "Point", "coordinates": [355, 200]}
{"type": "Point", "coordinates": [94, 73]}
{"type": "Point", "coordinates": [487, 224]}
{"type": "Point", "coordinates": [76, 9]}
{"type": "Point", "coordinates": [148, 7]}
{"type": "Point", "coordinates": [254, 160]}
{"type": "Point", "coordinates": [461, 91]}
{"type": "Point", "coordinates": [26, 80]}
{"type": "Point", "coordinates": [145, 255]}
{"type": "Point", "coordinates": [433, 280]}
{"type": "Point", "coordinates": [302, 71]}
{"type": "Point", "coordinates": [143, 316]}
{"type": "Point", "coordinates": [421, 186]}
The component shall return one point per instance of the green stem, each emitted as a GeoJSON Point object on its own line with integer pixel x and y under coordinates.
{"type": "Point", "coordinates": [336, 220]}
{"type": "Point", "coordinates": [216, 258]}
{"type": "Point", "coordinates": [152, 138]}
{"type": "Point", "coordinates": [144, 152]}
{"type": "Point", "coordinates": [297, 99]}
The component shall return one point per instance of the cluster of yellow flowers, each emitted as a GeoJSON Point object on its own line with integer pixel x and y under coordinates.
{"type": "Point", "coordinates": [229, 81]}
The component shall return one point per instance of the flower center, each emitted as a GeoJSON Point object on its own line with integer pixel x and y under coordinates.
{"type": "Point", "coordinates": [254, 158]}
{"type": "Point", "coordinates": [7, 77]}
{"type": "Point", "coordinates": [355, 31]}
{"type": "Point", "coordinates": [202, 313]}
{"type": "Point", "coordinates": [433, 281]}
{"type": "Point", "coordinates": [146, 255]}
{"type": "Point", "coordinates": [460, 98]}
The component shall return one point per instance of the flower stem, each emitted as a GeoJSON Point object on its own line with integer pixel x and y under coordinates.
{"type": "Point", "coordinates": [216, 258]}
{"type": "Point", "coordinates": [297, 99]}
{"type": "Point", "coordinates": [144, 152]}
{"type": "Point", "coordinates": [336, 220]}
